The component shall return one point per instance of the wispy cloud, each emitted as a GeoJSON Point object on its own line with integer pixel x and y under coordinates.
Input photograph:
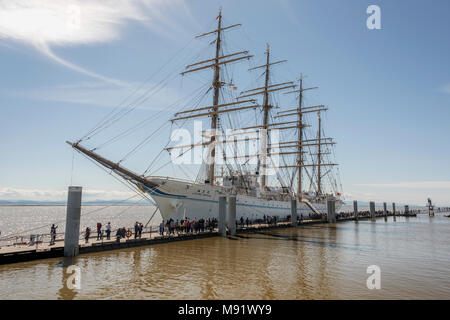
{"type": "Point", "coordinates": [44, 48]}
{"type": "Point", "coordinates": [13, 194]}
{"type": "Point", "coordinates": [46, 24]}
{"type": "Point", "coordinates": [412, 185]}
{"type": "Point", "coordinates": [101, 94]}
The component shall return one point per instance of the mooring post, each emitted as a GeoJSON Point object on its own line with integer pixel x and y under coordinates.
{"type": "Point", "coordinates": [385, 210]}
{"type": "Point", "coordinates": [372, 210]}
{"type": "Point", "coordinates": [222, 216]}
{"type": "Point", "coordinates": [331, 214]}
{"type": "Point", "coordinates": [294, 212]}
{"type": "Point", "coordinates": [232, 215]}
{"type": "Point", "coordinates": [72, 233]}
{"type": "Point", "coordinates": [355, 209]}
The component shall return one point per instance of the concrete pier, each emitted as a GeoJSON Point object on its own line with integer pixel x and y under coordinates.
{"type": "Point", "coordinates": [372, 210]}
{"type": "Point", "coordinates": [72, 233]}
{"type": "Point", "coordinates": [222, 216]}
{"type": "Point", "coordinates": [294, 212]}
{"type": "Point", "coordinates": [355, 210]}
{"type": "Point", "coordinates": [231, 215]}
{"type": "Point", "coordinates": [331, 211]}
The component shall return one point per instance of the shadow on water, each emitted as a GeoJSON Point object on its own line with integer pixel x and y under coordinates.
{"type": "Point", "coordinates": [282, 237]}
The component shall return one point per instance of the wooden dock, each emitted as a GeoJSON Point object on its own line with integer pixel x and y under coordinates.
{"type": "Point", "coordinates": [22, 253]}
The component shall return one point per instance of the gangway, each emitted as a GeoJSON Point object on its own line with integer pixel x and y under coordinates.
{"type": "Point", "coordinates": [311, 206]}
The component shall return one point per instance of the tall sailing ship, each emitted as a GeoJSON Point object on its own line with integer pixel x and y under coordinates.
{"type": "Point", "coordinates": [286, 164]}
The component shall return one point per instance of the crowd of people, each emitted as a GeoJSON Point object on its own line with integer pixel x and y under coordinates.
{"type": "Point", "coordinates": [120, 233]}
{"type": "Point", "coordinates": [170, 227]}
{"type": "Point", "coordinates": [166, 227]}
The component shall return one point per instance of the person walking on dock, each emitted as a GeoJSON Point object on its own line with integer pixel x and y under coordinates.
{"type": "Point", "coordinates": [118, 234]}
{"type": "Point", "coordinates": [188, 226]}
{"type": "Point", "coordinates": [167, 227]}
{"type": "Point", "coordinates": [141, 227]}
{"type": "Point", "coordinates": [181, 226]}
{"type": "Point", "coordinates": [99, 230]}
{"type": "Point", "coordinates": [172, 227]}
{"type": "Point", "coordinates": [161, 228]}
{"type": "Point", "coordinates": [87, 234]}
{"type": "Point", "coordinates": [108, 231]}
{"type": "Point", "coordinates": [53, 234]}
{"type": "Point", "coordinates": [177, 227]}
{"type": "Point", "coordinates": [136, 230]}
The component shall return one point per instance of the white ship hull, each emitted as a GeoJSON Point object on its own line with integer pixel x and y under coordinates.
{"type": "Point", "coordinates": [178, 200]}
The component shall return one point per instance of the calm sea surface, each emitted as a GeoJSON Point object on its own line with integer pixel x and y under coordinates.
{"type": "Point", "coordinates": [327, 261]}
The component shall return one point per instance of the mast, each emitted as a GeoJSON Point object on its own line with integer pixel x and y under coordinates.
{"type": "Point", "coordinates": [265, 91]}
{"type": "Point", "coordinates": [266, 119]}
{"type": "Point", "coordinates": [319, 156]}
{"type": "Point", "coordinates": [216, 86]}
{"type": "Point", "coordinates": [300, 139]}
{"type": "Point", "coordinates": [300, 142]}
{"type": "Point", "coordinates": [216, 108]}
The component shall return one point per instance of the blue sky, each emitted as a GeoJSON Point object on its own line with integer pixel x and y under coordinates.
{"type": "Point", "coordinates": [388, 90]}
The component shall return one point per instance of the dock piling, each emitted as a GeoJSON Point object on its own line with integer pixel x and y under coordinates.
{"type": "Point", "coordinates": [355, 209]}
{"type": "Point", "coordinates": [72, 233]}
{"type": "Point", "coordinates": [393, 210]}
{"type": "Point", "coordinates": [331, 212]}
{"type": "Point", "coordinates": [294, 212]}
{"type": "Point", "coordinates": [385, 210]}
{"type": "Point", "coordinates": [222, 216]}
{"type": "Point", "coordinates": [372, 210]}
{"type": "Point", "coordinates": [231, 215]}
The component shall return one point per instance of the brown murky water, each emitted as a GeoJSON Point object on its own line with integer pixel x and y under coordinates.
{"type": "Point", "coordinates": [309, 262]}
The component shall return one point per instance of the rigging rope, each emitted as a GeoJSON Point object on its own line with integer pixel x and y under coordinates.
{"type": "Point", "coordinates": [105, 119]}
